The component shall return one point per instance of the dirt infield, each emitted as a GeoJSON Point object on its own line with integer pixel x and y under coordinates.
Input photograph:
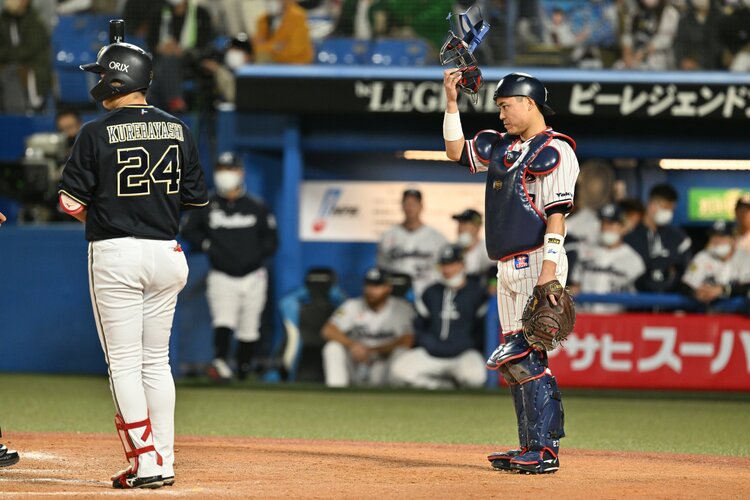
{"type": "Point", "coordinates": [61, 465]}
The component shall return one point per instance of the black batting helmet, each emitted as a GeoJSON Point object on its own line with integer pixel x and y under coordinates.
{"type": "Point", "coordinates": [124, 68]}
{"type": "Point", "coordinates": [522, 84]}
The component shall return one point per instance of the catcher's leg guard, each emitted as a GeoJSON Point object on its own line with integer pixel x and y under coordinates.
{"type": "Point", "coordinates": [128, 478]}
{"type": "Point", "coordinates": [545, 418]}
{"type": "Point", "coordinates": [501, 460]}
{"type": "Point", "coordinates": [514, 347]}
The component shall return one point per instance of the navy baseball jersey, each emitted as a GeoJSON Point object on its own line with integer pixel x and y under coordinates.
{"type": "Point", "coordinates": [133, 169]}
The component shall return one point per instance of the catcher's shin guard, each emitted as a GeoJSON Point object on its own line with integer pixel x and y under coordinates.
{"type": "Point", "coordinates": [545, 426]}
{"type": "Point", "coordinates": [128, 478]}
{"type": "Point", "coordinates": [501, 460]}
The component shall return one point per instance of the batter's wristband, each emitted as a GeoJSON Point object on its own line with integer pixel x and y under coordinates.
{"type": "Point", "coordinates": [452, 130]}
{"type": "Point", "coordinates": [553, 247]}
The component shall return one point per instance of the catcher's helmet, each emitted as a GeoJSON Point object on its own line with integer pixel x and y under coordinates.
{"type": "Point", "coordinates": [124, 68]}
{"type": "Point", "coordinates": [522, 84]}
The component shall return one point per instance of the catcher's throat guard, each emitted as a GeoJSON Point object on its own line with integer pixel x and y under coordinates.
{"type": "Point", "coordinates": [466, 33]}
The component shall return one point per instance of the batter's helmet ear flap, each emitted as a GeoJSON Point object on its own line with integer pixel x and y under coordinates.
{"type": "Point", "coordinates": [123, 67]}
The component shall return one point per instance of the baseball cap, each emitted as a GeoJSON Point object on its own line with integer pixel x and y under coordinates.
{"type": "Point", "coordinates": [743, 201]}
{"type": "Point", "coordinates": [376, 276]}
{"type": "Point", "coordinates": [228, 159]}
{"type": "Point", "coordinates": [611, 213]}
{"type": "Point", "coordinates": [721, 228]}
{"type": "Point", "coordinates": [469, 215]}
{"type": "Point", "coordinates": [450, 254]}
{"type": "Point", "coordinates": [412, 192]}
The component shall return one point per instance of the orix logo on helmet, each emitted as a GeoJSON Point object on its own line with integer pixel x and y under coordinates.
{"type": "Point", "coordinates": [119, 66]}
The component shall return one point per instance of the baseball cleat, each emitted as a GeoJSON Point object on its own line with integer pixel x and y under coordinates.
{"type": "Point", "coordinates": [501, 460]}
{"type": "Point", "coordinates": [168, 481]}
{"type": "Point", "coordinates": [220, 370]}
{"type": "Point", "coordinates": [535, 462]}
{"type": "Point", "coordinates": [125, 480]}
{"type": "Point", "coordinates": [8, 457]}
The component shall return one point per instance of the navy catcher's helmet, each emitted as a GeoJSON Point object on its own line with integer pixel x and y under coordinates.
{"type": "Point", "coordinates": [124, 68]}
{"type": "Point", "coordinates": [522, 84]}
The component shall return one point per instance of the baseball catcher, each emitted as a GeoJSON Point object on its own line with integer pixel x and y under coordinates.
{"type": "Point", "coordinates": [531, 173]}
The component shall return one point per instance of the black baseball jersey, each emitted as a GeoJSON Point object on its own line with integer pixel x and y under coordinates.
{"type": "Point", "coordinates": [134, 168]}
{"type": "Point", "coordinates": [666, 253]}
{"type": "Point", "coordinates": [237, 234]}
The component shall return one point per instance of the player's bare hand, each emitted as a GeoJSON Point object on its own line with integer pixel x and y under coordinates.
{"type": "Point", "coordinates": [2, 218]}
{"type": "Point", "coordinates": [359, 352]}
{"type": "Point", "coordinates": [451, 77]}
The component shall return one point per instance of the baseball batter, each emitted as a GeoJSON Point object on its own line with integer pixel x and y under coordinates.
{"type": "Point", "coordinates": [531, 175]}
{"type": "Point", "coordinates": [7, 457]}
{"type": "Point", "coordinates": [129, 173]}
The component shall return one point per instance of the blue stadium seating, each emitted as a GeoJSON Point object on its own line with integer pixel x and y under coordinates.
{"type": "Point", "coordinates": [342, 51]}
{"type": "Point", "coordinates": [399, 53]}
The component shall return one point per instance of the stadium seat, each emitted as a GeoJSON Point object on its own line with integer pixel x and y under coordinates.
{"type": "Point", "coordinates": [399, 53]}
{"type": "Point", "coordinates": [304, 312]}
{"type": "Point", "coordinates": [76, 40]}
{"type": "Point", "coordinates": [342, 51]}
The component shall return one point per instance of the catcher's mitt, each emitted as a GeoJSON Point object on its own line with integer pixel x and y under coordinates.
{"type": "Point", "coordinates": [545, 325]}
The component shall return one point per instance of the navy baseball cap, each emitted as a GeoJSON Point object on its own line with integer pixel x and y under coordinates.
{"type": "Point", "coordinates": [469, 215]}
{"type": "Point", "coordinates": [450, 254]}
{"type": "Point", "coordinates": [743, 201]}
{"type": "Point", "coordinates": [228, 159]}
{"type": "Point", "coordinates": [416, 193]}
{"type": "Point", "coordinates": [611, 213]}
{"type": "Point", "coordinates": [721, 228]}
{"type": "Point", "coordinates": [376, 276]}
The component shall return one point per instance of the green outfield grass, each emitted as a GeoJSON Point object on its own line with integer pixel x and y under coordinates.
{"type": "Point", "coordinates": [685, 423]}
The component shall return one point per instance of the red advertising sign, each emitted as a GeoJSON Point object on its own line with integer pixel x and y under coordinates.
{"type": "Point", "coordinates": [656, 351]}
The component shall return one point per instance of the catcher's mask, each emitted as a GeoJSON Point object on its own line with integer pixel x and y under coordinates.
{"type": "Point", "coordinates": [466, 33]}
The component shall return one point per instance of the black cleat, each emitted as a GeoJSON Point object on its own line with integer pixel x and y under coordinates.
{"type": "Point", "coordinates": [127, 480]}
{"type": "Point", "coordinates": [8, 457]}
{"type": "Point", "coordinates": [168, 481]}
{"type": "Point", "coordinates": [535, 462]}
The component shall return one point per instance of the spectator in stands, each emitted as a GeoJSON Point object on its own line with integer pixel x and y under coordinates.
{"type": "Point", "coordinates": [238, 54]}
{"type": "Point", "coordinates": [558, 31]}
{"type": "Point", "coordinates": [697, 40]}
{"type": "Point", "coordinates": [735, 35]}
{"type": "Point", "coordinates": [362, 19]}
{"type": "Point", "coordinates": [282, 35]}
{"type": "Point", "coordinates": [449, 331]}
{"type": "Point", "coordinates": [365, 334]}
{"type": "Point", "coordinates": [25, 63]}
{"type": "Point", "coordinates": [649, 36]}
{"type": "Point", "coordinates": [68, 122]}
{"type": "Point", "coordinates": [475, 258]}
{"type": "Point", "coordinates": [742, 216]}
{"type": "Point", "coordinates": [610, 266]}
{"type": "Point", "coordinates": [632, 211]}
{"type": "Point", "coordinates": [710, 271]}
{"type": "Point", "coordinates": [138, 14]}
{"type": "Point", "coordinates": [664, 248]}
{"type": "Point", "coordinates": [411, 247]}
{"type": "Point", "coordinates": [178, 33]}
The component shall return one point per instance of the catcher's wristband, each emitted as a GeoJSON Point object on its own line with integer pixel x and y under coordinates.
{"type": "Point", "coordinates": [553, 247]}
{"type": "Point", "coordinates": [452, 130]}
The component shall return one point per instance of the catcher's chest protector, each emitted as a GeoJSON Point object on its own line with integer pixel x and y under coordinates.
{"type": "Point", "coordinates": [514, 223]}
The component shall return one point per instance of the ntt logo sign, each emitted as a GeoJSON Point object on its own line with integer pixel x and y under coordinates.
{"type": "Point", "coordinates": [119, 66]}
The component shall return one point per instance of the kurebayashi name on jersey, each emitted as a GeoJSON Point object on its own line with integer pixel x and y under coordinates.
{"type": "Point", "coordinates": [144, 131]}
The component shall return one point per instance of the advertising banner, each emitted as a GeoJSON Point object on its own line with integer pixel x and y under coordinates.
{"type": "Point", "coordinates": [648, 351]}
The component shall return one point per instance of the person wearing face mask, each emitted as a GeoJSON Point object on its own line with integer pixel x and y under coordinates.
{"type": "Point", "coordinates": [239, 234]}
{"type": "Point", "coordinates": [282, 35]}
{"type": "Point", "coordinates": [476, 260]}
{"type": "Point", "coordinates": [664, 248]}
{"type": "Point", "coordinates": [611, 266]}
{"type": "Point", "coordinates": [696, 45]}
{"type": "Point", "coordinates": [648, 36]}
{"type": "Point", "coordinates": [239, 53]}
{"type": "Point", "coordinates": [449, 331]}
{"type": "Point", "coordinates": [718, 271]}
